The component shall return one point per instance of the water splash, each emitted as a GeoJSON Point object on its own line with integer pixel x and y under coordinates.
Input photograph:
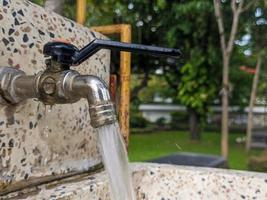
{"type": "Point", "coordinates": [115, 159]}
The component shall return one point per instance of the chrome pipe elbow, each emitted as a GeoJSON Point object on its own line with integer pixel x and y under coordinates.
{"type": "Point", "coordinates": [101, 108]}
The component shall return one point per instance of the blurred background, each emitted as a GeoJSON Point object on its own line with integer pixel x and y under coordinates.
{"type": "Point", "coordinates": [176, 105]}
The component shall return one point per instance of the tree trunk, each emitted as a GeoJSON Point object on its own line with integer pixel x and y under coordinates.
{"type": "Point", "coordinates": [251, 104]}
{"type": "Point", "coordinates": [54, 5]}
{"type": "Point", "coordinates": [195, 130]}
{"type": "Point", "coordinates": [227, 48]}
{"type": "Point", "coordinates": [225, 104]}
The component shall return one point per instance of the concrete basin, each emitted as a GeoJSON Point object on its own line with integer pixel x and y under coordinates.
{"type": "Point", "coordinates": [158, 182]}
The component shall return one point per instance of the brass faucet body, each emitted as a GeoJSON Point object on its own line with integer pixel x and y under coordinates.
{"type": "Point", "coordinates": [58, 85]}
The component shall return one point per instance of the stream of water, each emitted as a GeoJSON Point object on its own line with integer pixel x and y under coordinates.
{"type": "Point", "coordinates": [115, 159]}
{"type": "Point", "coordinates": [45, 121]}
{"type": "Point", "coordinates": [113, 152]}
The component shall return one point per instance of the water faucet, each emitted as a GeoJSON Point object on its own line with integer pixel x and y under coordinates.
{"type": "Point", "coordinates": [58, 84]}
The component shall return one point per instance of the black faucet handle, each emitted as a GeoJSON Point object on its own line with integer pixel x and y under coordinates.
{"type": "Point", "coordinates": [60, 51]}
{"type": "Point", "coordinates": [98, 44]}
{"type": "Point", "coordinates": [68, 54]}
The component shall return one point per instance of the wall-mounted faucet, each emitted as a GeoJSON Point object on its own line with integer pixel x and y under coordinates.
{"type": "Point", "coordinates": [58, 84]}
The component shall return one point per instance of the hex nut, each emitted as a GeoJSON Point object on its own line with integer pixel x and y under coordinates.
{"type": "Point", "coordinates": [49, 85]}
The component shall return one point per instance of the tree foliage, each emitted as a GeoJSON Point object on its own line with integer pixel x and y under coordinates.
{"type": "Point", "coordinates": [192, 29]}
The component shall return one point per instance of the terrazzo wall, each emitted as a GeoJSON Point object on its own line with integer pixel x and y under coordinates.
{"type": "Point", "coordinates": [34, 141]}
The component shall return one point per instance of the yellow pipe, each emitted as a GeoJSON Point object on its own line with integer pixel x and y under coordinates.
{"type": "Point", "coordinates": [125, 72]}
{"type": "Point", "coordinates": [109, 29]}
{"type": "Point", "coordinates": [81, 11]}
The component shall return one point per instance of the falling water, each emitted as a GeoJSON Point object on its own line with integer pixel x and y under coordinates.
{"type": "Point", "coordinates": [113, 152]}
{"type": "Point", "coordinates": [116, 162]}
{"type": "Point", "coordinates": [45, 121]}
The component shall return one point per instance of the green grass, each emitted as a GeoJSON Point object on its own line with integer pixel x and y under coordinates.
{"type": "Point", "coordinates": [147, 146]}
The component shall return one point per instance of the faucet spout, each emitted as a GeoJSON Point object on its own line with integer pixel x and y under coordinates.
{"type": "Point", "coordinates": [101, 108]}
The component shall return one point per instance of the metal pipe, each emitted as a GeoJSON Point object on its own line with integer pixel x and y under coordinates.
{"type": "Point", "coordinates": [101, 108]}
{"type": "Point", "coordinates": [125, 81]}
{"type": "Point", "coordinates": [81, 11]}
{"type": "Point", "coordinates": [24, 87]}
{"type": "Point", "coordinates": [15, 86]}
{"type": "Point", "coordinates": [124, 30]}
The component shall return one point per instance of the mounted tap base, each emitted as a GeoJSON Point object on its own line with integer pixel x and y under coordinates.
{"type": "Point", "coordinates": [58, 87]}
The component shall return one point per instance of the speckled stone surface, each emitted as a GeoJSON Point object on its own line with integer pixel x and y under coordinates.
{"type": "Point", "coordinates": [161, 182]}
{"type": "Point", "coordinates": [29, 150]}
{"type": "Point", "coordinates": [166, 182]}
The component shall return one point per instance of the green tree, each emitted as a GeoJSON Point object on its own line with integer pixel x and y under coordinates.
{"type": "Point", "coordinates": [258, 27]}
{"type": "Point", "coordinates": [191, 26]}
{"type": "Point", "coordinates": [228, 35]}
